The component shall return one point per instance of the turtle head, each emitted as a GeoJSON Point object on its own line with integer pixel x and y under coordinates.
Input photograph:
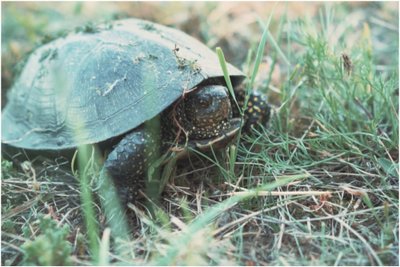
{"type": "Point", "coordinates": [206, 112]}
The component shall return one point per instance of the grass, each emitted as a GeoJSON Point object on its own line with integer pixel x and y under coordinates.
{"type": "Point", "coordinates": [319, 186]}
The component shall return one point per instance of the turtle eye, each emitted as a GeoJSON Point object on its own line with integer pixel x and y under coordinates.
{"type": "Point", "coordinates": [205, 102]}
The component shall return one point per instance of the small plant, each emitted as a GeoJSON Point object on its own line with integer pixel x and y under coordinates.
{"type": "Point", "coordinates": [50, 247]}
{"type": "Point", "coordinates": [6, 168]}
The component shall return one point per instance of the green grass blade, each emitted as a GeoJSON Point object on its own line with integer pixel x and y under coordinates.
{"type": "Point", "coordinates": [85, 160]}
{"type": "Point", "coordinates": [260, 51]}
{"type": "Point", "coordinates": [278, 49]}
{"type": "Point", "coordinates": [224, 67]}
{"type": "Point", "coordinates": [274, 43]}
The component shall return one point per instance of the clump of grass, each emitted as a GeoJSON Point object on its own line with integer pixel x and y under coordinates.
{"type": "Point", "coordinates": [50, 246]}
{"type": "Point", "coordinates": [339, 122]}
{"type": "Point", "coordinates": [29, 191]}
{"type": "Point", "coordinates": [6, 167]}
{"type": "Point", "coordinates": [202, 248]}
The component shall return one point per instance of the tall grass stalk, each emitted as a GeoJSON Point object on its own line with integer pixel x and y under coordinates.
{"type": "Point", "coordinates": [259, 55]}
{"type": "Point", "coordinates": [86, 158]}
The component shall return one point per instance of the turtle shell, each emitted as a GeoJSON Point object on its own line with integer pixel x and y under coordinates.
{"type": "Point", "coordinates": [90, 86]}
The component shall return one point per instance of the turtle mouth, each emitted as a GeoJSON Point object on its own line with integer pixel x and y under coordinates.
{"type": "Point", "coordinates": [216, 142]}
{"type": "Point", "coordinates": [224, 137]}
{"type": "Point", "coordinates": [210, 130]}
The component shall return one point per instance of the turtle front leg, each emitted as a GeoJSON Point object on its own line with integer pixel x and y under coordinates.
{"type": "Point", "coordinates": [127, 163]}
{"type": "Point", "coordinates": [258, 110]}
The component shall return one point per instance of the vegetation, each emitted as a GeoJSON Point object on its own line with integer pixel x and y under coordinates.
{"type": "Point", "coordinates": [48, 248]}
{"type": "Point", "coordinates": [318, 186]}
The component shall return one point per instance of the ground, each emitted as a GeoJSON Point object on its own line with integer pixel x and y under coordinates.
{"type": "Point", "coordinates": [318, 186]}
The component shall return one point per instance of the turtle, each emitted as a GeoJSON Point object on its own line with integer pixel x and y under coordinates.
{"type": "Point", "coordinates": [111, 81]}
